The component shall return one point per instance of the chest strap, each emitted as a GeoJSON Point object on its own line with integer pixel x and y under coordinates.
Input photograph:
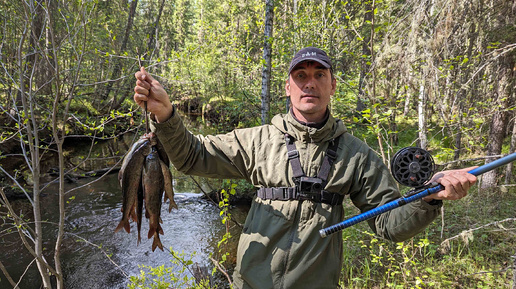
{"type": "Point", "coordinates": [329, 158]}
{"type": "Point", "coordinates": [290, 193]}
{"type": "Point", "coordinates": [294, 193]}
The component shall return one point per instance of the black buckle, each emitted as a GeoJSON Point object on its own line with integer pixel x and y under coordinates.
{"type": "Point", "coordinates": [331, 154]}
{"type": "Point", "coordinates": [293, 154]}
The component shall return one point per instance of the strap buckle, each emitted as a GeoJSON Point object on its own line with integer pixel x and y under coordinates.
{"type": "Point", "coordinates": [293, 154]}
{"type": "Point", "coordinates": [331, 154]}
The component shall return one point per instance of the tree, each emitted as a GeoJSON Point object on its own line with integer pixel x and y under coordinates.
{"type": "Point", "coordinates": [267, 51]}
{"type": "Point", "coordinates": [503, 82]}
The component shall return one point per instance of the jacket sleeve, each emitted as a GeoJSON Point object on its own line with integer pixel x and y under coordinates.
{"type": "Point", "coordinates": [217, 156]}
{"type": "Point", "coordinates": [374, 186]}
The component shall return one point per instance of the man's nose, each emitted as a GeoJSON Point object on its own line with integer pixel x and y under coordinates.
{"type": "Point", "coordinates": [310, 83]}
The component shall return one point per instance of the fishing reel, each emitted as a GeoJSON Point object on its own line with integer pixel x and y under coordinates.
{"type": "Point", "coordinates": [412, 167]}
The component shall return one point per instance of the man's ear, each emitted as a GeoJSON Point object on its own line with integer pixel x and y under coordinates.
{"type": "Point", "coordinates": [287, 87]}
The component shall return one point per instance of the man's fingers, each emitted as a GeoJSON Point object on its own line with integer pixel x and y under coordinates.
{"type": "Point", "coordinates": [142, 86]}
{"type": "Point", "coordinates": [140, 98]}
{"type": "Point", "coordinates": [146, 76]}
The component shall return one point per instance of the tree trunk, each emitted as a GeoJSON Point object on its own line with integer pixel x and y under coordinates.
{"type": "Point", "coordinates": [508, 169]}
{"type": "Point", "coordinates": [366, 55]}
{"type": "Point", "coordinates": [499, 121]}
{"type": "Point", "coordinates": [58, 138]}
{"type": "Point", "coordinates": [423, 142]}
{"type": "Point", "coordinates": [154, 29]}
{"type": "Point", "coordinates": [31, 131]}
{"type": "Point", "coordinates": [408, 96]}
{"type": "Point", "coordinates": [38, 42]}
{"type": "Point", "coordinates": [118, 63]}
{"type": "Point", "coordinates": [267, 55]}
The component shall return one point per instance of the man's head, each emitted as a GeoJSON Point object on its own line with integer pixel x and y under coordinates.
{"type": "Point", "coordinates": [310, 84]}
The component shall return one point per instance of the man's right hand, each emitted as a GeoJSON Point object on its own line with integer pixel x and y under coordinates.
{"type": "Point", "coordinates": [149, 90]}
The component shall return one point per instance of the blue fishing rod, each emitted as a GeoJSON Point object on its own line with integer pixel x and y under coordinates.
{"type": "Point", "coordinates": [411, 166]}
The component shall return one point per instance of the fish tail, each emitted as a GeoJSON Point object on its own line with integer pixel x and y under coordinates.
{"type": "Point", "coordinates": [123, 224]}
{"type": "Point", "coordinates": [156, 243]}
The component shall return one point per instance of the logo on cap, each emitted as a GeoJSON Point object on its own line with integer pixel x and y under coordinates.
{"type": "Point", "coordinates": [309, 54]}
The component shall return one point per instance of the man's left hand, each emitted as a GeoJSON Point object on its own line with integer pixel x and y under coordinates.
{"type": "Point", "coordinates": [456, 184]}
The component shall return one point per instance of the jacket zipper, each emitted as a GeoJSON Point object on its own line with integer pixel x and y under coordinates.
{"type": "Point", "coordinates": [297, 218]}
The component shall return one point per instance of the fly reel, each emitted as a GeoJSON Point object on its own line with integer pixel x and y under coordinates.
{"type": "Point", "coordinates": [412, 166]}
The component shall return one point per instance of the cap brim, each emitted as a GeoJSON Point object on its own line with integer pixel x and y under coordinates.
{"type": "Point", "coordinates": [293, 65]}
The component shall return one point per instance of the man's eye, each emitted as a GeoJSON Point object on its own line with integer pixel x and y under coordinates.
{"type": "Point", "coordinates": [300, 75]}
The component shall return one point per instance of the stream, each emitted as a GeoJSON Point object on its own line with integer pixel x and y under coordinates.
{"type": "Point", "coordinates": [92, 214]}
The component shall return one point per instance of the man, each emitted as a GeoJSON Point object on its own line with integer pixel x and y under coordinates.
{"type": "Point", "coordinates": [303, 165]}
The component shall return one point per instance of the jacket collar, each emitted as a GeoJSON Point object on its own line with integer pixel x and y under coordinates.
{"type": "Point", "coordinates": [286, 123]}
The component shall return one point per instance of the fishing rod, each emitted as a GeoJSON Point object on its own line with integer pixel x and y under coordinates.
{"type": "Point", "coordinates": [411, 166]}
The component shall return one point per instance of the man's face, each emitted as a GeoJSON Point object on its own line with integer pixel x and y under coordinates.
{"type": "Point", "coordinates": [310, 86]}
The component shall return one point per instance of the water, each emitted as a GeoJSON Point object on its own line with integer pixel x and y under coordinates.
{"type": "Point", "coordinates": [92, 214]}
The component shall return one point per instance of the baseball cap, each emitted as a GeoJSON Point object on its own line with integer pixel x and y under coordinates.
{"type": "Point", "coordinates": [310, 53]}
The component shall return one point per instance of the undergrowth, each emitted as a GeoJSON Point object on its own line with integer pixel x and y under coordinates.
{"type": "Point", "coordinates": [474, 251]}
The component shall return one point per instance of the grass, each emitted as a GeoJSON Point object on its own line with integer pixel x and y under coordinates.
{"type": "Point", "coordinates": [468, 255]}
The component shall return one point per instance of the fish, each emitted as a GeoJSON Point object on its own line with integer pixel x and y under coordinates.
{"type": "Point", "coordinates": [137, 145]}
{"type": "Point", "coordinates": [139, 210]}
{"type": "Point", "coordinates": [130, 182]}
{"type": "Point", "coordinates": [168, 186]}
{"type": "Point", "coordinates": [153, 185]}
{"type": "Point", "coordinates": [146, 181]}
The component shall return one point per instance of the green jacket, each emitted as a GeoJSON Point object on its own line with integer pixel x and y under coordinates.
{"type": "Point", "coordinates": [280, 245]}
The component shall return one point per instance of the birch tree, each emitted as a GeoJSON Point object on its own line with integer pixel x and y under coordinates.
{"type": "Point", "coordinates": [267, 51]}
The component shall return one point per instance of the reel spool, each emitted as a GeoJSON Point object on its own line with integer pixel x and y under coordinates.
{"type": "Point", "coordinates": [412, 166]}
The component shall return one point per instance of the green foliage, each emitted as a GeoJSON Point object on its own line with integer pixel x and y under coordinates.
{"type": "Point", "coordinates": [161, 277]}
{"type": "Point", "coordinates": [225, 213]}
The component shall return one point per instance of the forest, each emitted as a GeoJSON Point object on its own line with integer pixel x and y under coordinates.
{"type": "Point", "coordinates": [434, 74]}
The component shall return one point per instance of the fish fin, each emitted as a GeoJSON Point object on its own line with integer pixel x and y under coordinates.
{"type": "Point", "coordinates": [123, 224]}
{"type": "Point", "coordinates": [151, 233]}
{"type": "Point", "coordinates": [172, 205]}
{"type": "Point", "coordinates": [120, 175]}
{"type": "Point", "coordinates": [133, 215]}
{"type": "Point", "coordinates": [157, 243]}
